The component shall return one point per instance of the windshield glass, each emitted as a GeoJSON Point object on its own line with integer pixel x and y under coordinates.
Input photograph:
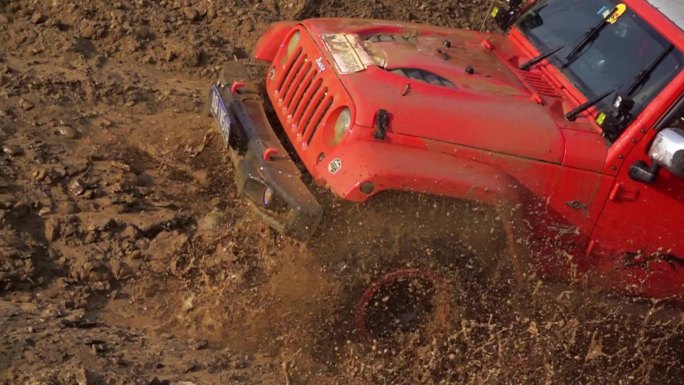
{"type": "Point", "coordinates": [613, 58]}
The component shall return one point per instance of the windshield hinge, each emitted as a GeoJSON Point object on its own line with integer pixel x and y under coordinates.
{"type": "Point", "coordinates": [621, 194]}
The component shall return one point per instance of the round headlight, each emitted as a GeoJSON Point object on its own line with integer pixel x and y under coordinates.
{"type": "Point", "coordinates": [292, 44]}
{"type": "Point", "coordinates": [342, 125]}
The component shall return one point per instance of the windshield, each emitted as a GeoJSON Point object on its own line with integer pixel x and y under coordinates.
{"type": "Point", "coordinates": [614, 56]}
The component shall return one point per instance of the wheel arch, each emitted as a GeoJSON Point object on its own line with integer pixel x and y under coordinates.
{"type": "Point", "coordinates": [402, 169]}
{"type": "Point", "coordinates": [391, 167]}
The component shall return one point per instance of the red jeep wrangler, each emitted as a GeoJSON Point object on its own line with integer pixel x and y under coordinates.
{"type": "Point", "coordinates": [571, 119]}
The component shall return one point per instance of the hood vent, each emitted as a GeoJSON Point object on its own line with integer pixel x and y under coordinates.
{"type": "Point", "coordinates": [423, 76]}
{"type": "Point", "coordinates": [539, 83]}
{"type": "Point", "coordinates": [389, 38]}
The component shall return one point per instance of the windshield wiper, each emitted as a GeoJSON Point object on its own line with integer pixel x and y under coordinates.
{"type": "Point", "coordinates": [588, 37]}
{"type": "Point", "coordinates": [537, 59]}
{"type": "Point", "coordinates": [638, 81]}
{"type": "Point", "coordinates": [645, 74]}
{"type": "Point", "coordinates": [591, 35]}
{"type": "Point", "coordinates": [572, 115]}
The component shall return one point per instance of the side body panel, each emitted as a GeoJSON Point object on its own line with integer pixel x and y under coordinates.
{"type": "Point", "coordinates": [638, 242]}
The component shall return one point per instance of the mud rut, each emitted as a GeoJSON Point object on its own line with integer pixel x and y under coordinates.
{"type": "Point", "coordinates": [126, 257]}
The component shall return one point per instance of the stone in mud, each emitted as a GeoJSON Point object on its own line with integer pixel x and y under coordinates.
{"type": "Point", "coordinates": [66, 132]}
{"type": "Point", "coordinates": [189, 303]}
{"type": "Point", "coordinates": [91, 271]}
{"type": "Point", "coordinates": [191, 13]}
{"type": "Point", "coordinates": [40, 175]}
{"type": "Point", "coordinates": [98, 346]}
{"type": "Point", "coordinates": [7, 310]}
{"type": "Point", "coordinates": [170, 55]}
{"type": "Point", "coordinates": [190, 367]}
{"type": "Point", "coordinates": [12, 150]}
{"type": "Point", "coordinates": [7, 201]}
{"type": "Point", "coordinates": [212, 222]}
{"type": "Point", "coordinates": [130, 233]}
{"type": "Point", "coordinates": [192, 57]}
{"type": "Point", "coordinates": [24, 104]}
{"type": "Point", "coordinates": [77, 187]}
{"type": "Point", "coordinates": [21, 209]}
{"type": "Point", "coordinates": [119, 269]}
{"type": "Point", "coordinates": [74, 167]}
{"type": "Point", "coordinates": [52, 311]}
{"type": "Point", "coordinates": [157, 381]}
{"type": "Point", "coordinates": [66, 207]}
{"type": "Point", "coordinates": [150, 221]}
{"type": "Point", "coordinates": [38, 18]}
{"type": "Point", "coordinates": [82, 376]}
{"type": "Point", "coordinates": [149, 59]}
{"type": "Point", "coordinates": [52, 228]}
{"type": "Point", "coordinates": [165, 249]}
{"type": "Point", "coordinates": [87, 29]}
{"type": "Point", "coordinates": [99, 274]}
{"type": "Point", "coordinates": [105, 123]}
{"type": "Point", "coordinates": [200, 344]}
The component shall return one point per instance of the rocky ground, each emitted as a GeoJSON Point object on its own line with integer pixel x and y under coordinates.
{"type": "Point", "coordinates": [127, 258]}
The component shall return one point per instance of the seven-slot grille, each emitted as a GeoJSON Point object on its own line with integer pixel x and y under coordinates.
{"type": "Point", "coordinates": [303, 95]}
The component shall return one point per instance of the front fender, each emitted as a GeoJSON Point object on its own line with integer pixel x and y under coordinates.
{"type": "Point", "coordinates": [396, 167]}
{"type": "Point", "coordinates": [268, 44]}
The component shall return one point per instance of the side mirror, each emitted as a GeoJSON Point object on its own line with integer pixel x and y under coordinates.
{"type": "Point", "coordinates": [667, 150]}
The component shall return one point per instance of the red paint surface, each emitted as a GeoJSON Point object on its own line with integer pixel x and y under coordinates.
{"type": "Point", "coordinates": [500, 138]}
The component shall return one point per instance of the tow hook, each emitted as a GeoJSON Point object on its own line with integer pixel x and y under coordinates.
{"type": "Point", "coordinates": [268, 154]}
{"type": "Point", "coordinates": [235, 88]}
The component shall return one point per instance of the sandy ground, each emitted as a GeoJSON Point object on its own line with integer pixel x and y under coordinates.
{"type": "Point", "coordinates": [127, 258]}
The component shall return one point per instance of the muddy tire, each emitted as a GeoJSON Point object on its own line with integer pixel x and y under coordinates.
{"type": "Point", "coordinates": [409, 296]}
{"type": "Point", "coordinates": [408, 263]}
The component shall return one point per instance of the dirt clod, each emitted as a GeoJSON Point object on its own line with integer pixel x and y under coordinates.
{"type": "Point", "coordinates": [25, 104]}
{"type": "Point", "coordinates": [12, 149]}
{"type": "Point", "coordinates": [66, 132]}
{"type": "Point", "coordinates": [191, 13]}
{"type": "Point", "coordinates": [38, 18]}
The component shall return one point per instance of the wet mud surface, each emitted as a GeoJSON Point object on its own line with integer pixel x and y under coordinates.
{"type": "Point", "coordinates": [126, 256]}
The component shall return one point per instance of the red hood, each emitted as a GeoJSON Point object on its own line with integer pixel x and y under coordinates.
{"type": "Point", "coordinates": [491, 108]}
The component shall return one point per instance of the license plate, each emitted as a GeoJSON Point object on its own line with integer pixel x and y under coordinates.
{"type": "Point", "coordinates": [220, 112]}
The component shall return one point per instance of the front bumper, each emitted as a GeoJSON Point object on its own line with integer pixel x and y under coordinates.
{"type": "Point", "coordinates": [265, 173]}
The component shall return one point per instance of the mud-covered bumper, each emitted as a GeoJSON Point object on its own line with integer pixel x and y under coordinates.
{"type": "Point", "coordinates": [265, 173]}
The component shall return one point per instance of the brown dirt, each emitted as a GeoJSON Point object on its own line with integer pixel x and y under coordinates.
{"type": "Point", "coordinates": [127, 258]}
